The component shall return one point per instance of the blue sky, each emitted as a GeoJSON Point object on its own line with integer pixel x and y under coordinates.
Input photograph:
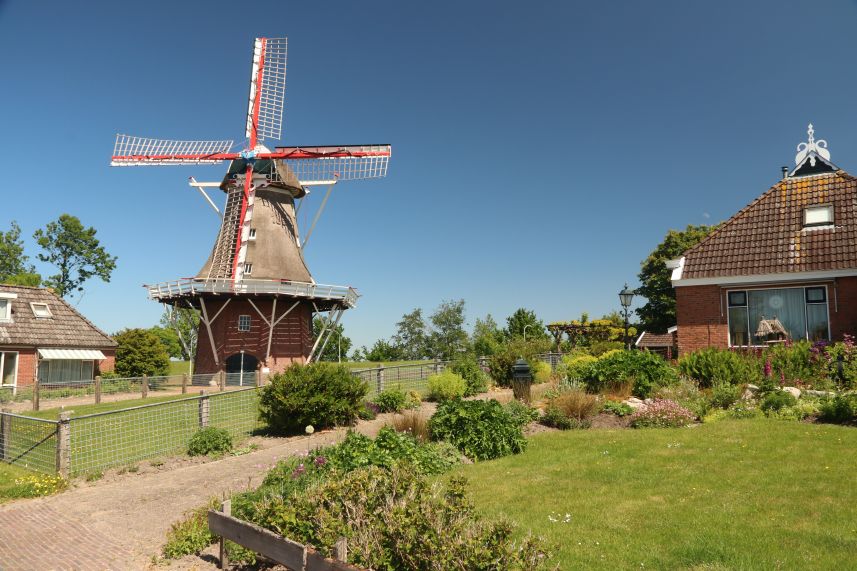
{"type": "Point", "coordinates": [540, 149]}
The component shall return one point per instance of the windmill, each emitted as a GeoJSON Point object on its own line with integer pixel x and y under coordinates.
{"type": "Point", "coordinates": [257, 261]}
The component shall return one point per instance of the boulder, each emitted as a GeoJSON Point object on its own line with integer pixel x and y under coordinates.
{"type": "Point", "coordinates": [794, 391]}
{"type": "Point", "coordinates": [814, 393]}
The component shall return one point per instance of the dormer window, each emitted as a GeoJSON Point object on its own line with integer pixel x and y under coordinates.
{"type": "Point", "coordinates": [821, 215]}
{"type": "Point", "coordinates": [6, 306]}
{"type": "Point", "coordinates": [41, 310]}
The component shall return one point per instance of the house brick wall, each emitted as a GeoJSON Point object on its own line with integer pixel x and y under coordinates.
{"type": "Point", "coordinates": [843, 308]}
{"type": "Point", "coordinates": [291, 342]}
{"type": "Point", "coordinates": [699, 319]}
{"type": "Point", "coordinates": [28, 360]}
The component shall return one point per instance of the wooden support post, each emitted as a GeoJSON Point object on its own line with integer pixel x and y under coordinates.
{"type": "Point", "coordinates": [222, 381]}
{"type": "Point", "coordinates": [340, 550]}
{"type": "Point", "coordinates": [63, 444]}
{"type": "Point", "coordinates": [184, 384]}
{"type": "Point", "coordinates": [5, 433]}
{"type": "Point", "coordinates": [380, 381]}
{"type": "Point", "coordinates": [36, 385]}
{"type": "Point", "coordinates": [203, 409]}
{"type": "Point", "coordinates": [98, 389]}
{"type": "Point", "coordinates": [226, 509]}
{"type": "Point", "coordinates": [145, 390]}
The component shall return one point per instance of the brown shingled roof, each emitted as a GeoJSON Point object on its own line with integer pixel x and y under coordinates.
{"type": "Point", "coordinates": [647, 339]}
{"type": "Point", "coordinates": [66, 327]}
{"type": "Point", "coordinates": [767, 236]}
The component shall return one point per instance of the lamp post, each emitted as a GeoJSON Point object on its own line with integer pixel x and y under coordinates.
{"type": "Point", "coordinates": [626, 296]}
{"type": "Point", "coordinates": [525, 330]}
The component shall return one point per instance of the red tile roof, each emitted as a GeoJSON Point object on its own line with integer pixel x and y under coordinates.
{"type": "Point", "coordinates": [767, 236]}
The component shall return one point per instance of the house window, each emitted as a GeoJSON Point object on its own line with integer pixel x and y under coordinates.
{"type": "Point", "coordinates": [252, 235]}
{"type": "Point", "coordinates": [248, 269]}
{"type": "Point", "coordinates": [64, 370]}
{"type": "Point", "coordinates": [243, 323]}
{"type": "Point", "coordinates": [41, 310]}
{"type": "Point", "coordinates": [818, 216]}
{"type": "Point", "coordinates": [802, 311]}
{"type": "Point", "coordinates": [8, 368]}
{"type": "Point", "coordinates": [5, 309]}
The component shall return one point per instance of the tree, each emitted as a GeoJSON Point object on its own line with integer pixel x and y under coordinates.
{"type": "Point", "coordinates": [184, 321]}
{"type": "Point", "coordinates": [382, 351]}
{"type": "Point", "coordinates": [75, 251]}
{"type": "Point", "coordinates": [487, 336]}
{"type": "Point", "coordinates": [411, 336]}
{"type": "Point", "coordinates": [658, 313]}
{"type": "Point", "coordinates": [521, 319]}
{"type": "Point", "coordinates": [337, 341]}
{"type": "Point", "coordinates": [169, 339]}
{"type": "Point", "coordinates": [15, 268]}
{"type": "Point", "coordinates": [448, 337]}
{"type": "Point", "coordinates": [140, 352]}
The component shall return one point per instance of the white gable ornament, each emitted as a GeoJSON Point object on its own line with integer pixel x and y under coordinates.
{"type": "Point", "coordinates": [811, 149]}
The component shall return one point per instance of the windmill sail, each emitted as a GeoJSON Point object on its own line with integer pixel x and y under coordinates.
{"type": "Point", "coordinates": [131, 151]}
{"type": "Point", "coordinates": [267, 89]}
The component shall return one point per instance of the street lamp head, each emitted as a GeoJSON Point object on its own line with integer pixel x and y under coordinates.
{"type": "Point", "coordinates": [626, 296]}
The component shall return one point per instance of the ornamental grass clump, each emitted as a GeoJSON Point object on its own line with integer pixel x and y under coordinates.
{"type": "Point", "coordinates": [662, 414]}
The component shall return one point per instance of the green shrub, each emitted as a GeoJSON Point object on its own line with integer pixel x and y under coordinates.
{"type": "Point", "coordinates": [368, 411]}
{"type": "Point", "coordinates": [617, 408]}
{"type": "Point", "coordinates": [397, 519]}
{"type": "Point", "coordinates": [209, 440]}
{"type": "Point", "coordinates": [189, 535]}
{"type": "Point", "coordinates": [522, 413]}
{"type": "Point", "coordinates": [575, 367]}
{"type": "Point", "coordinates": [724, 395]}
{"type": "Point", "coordinates": [841, 409]}
{"type": "Point", "coordinates": [446, 385]}
{"type": "Point", "coordinates": [795, 363]}
{"type": "Point", "coordinates": [140, 352]}
{"type": "Point", "coordinates": [774, 401]}
{"type": "Point", "coordinates": [712, 366]}
{"type": "Point", "coordinates": [482, 430]}
{"type": "Point", "coordinates": [847, 352]}
{"type": "Point", "coordinates": [557, 419]}
{"type": "Point", "coordinates": [646, 370]}
{"type": "Point", "coordinates": [542, 372]}
{"type": "Point", "coordinates": [469, 370]}
{"type": "Point", "coordinates": [804, 408]}
{"type": "Point", "coordinates": [320, 394]}
{"type": "Point", "coordinates": [600, 347]}
{"type": "Point", "coordinates": [391, 400]}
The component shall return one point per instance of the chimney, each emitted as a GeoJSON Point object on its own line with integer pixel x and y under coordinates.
{"type": "Point", "coordinates": [785, 172]}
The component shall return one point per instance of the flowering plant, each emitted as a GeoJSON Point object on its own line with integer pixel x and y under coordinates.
{"type": "Point", "coordinates": [662, 414]}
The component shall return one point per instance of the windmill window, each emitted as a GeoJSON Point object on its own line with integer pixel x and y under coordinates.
{"type": "Point", "coordinates": [818, 216]}
{"type": "Point", "coordinates": [243, 323]}
{"type": "Point", "coordinates": [41, 310]}
{"type": "Point", "coordinates": [252, 235]}
{"type": "Point", "coordinates": [248, 269]}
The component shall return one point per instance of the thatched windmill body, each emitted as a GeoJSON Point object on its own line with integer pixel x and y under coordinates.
{"type": "Point", "coordinates": [255, 294]}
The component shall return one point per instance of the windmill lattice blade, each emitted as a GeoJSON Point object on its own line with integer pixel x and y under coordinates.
{"type": "Point", "coordinates": [270, 55]}
{"type": "Point", "coordinates": [139, 151]}
{"type": "Point", "coordinates": [336, 163]}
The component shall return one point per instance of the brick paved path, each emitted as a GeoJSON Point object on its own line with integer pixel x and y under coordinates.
{"type": "Point", "coordinates": [121, 524]}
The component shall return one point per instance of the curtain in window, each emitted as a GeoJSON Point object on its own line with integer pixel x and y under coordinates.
{"type": "Point", "coordinates": [64, 370]}
{"type": "Point", "coordinates": [787, 305]}
{"type": "Point", "coordinates": [816, 318]}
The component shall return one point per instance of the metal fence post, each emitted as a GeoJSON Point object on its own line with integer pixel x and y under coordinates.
{"type": "Point", "coordinates": [63, 444]}
{"type": "Point", "coordinates": [5, 432]}
{"type": "Point", "coordinates": [98, 389]}
{"type": "Point", "coordinates": [145, 390]}
{"type": "Point", "coordinates": [203, 409]}
{"type": "Point", "coordinates": [36, 385]}
{"type": "Point", "coordinates": [380, 380]}
{"type": "Point", "coordinates": [184, 384]}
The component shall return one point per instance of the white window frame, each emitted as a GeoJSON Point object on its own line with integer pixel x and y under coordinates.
{"type": "Point", "coordinates": [47, 307]}
{"type": "Point", "coordinates": [747, 300]}
{"type": "Point", "coordinates": [252, 234]}
{"type": "Point", "coordinates": [17, 366]}
{"type": "Point", "coordinates": [248, 268]}
{"type": "Point", "coordinates": [249, 322]}
{"type": "Point", "coordinates": [6, 316]}
{"type": "Point", "coordinates": [818, 207]}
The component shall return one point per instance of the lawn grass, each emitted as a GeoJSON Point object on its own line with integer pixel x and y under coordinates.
{"type": "Point", "coordinates": [9, 490]}
{"type": "Point", "coordinates": [375, 365]}
{"type": "Point", "coordinates": [748, 494]}
{"type": "Point", "coordinates": [178, 367]}
{"type": "Point", "coordinates": [84, 409]}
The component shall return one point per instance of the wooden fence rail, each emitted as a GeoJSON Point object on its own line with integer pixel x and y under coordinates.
{"type": "Point", "coordinates": [279, 549]}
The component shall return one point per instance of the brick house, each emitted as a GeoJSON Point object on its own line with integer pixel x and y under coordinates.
{"type": "Point", "coordinates": [790, 255]}
{"type": "Point", "coordinates": [42, 336]}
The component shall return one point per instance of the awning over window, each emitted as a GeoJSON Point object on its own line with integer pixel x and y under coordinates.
{"type": "Point", "coordinates": [78, 354]}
